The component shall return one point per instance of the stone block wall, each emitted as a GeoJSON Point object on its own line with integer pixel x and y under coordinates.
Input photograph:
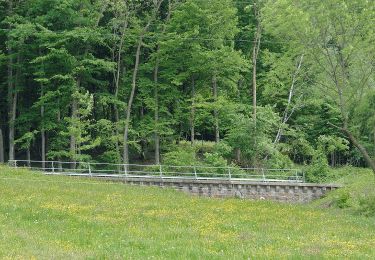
{"type": "Point", "coordinates": [277, 191]}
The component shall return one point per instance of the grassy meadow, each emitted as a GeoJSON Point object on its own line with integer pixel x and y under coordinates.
{"type": "Point", "coordinates": [59, 217]}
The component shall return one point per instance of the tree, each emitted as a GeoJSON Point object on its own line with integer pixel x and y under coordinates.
{"type": "Point", "coordinates": [338, 38]}
{"type": "Point", "coordinates": [120, 80]}
{"type": "Point", "coordinates": [12, 91]}
{"type": "Point", "coordinates": [255, 53]}
{"type": "Point", "coordinates": [142, 32]}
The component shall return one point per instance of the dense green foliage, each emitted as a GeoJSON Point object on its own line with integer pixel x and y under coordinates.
{"type": "Point", "coordinates": [129, 80]}
{"type": "Point", "coordinates": [83, 218]}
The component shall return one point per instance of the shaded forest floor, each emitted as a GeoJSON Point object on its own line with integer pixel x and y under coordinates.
{"type": "Point", "coordinates": [61, 217]}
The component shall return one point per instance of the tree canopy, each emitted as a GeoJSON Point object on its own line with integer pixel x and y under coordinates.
{"type": "Point", "coordinates": [253, 83]}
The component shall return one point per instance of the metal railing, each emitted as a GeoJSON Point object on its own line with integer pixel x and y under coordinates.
{"type": "Point", "coordinates": [161, 171]}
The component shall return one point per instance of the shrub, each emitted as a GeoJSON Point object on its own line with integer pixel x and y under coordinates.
{"type": "Point", "coordinates": [215, 160]}
{"type": "Point", "coordinates": [109, 157]}
{"type": "Point", "coordinates": [279, 161]}
{"type": "Point", "coordinates": [366, 205]}
{"type": "Point", "coordinates": [204, 147]}
{"type": "Point", "coordinates": [182, 156]}
{"type": "Point", "coordinates": [224, 149]}
{"type": "Point", "coordinates": [319, 169]}
{"type": "Point", "coordinates": [341, 199]}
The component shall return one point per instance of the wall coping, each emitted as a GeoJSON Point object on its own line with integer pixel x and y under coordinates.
{"type": "Point", "coordinates": [225, 182]}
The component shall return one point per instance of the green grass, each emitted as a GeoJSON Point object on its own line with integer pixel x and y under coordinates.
{"type": "Point", "coordinates": [358, 194]}
{"type": "Point", "coordinates": [60, 217]}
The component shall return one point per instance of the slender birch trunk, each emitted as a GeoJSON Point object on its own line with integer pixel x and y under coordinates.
{"type": "Point", "coordinates": [287, 112]}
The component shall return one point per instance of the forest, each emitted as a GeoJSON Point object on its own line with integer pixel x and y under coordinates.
{"type": "Point", "coordinates": [255, 83]}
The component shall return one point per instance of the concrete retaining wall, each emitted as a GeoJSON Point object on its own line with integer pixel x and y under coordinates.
{"type": "Point", "coordinates": [277, 191]}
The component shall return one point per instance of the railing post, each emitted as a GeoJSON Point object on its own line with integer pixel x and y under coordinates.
{"type": "Point", "coordinates": [195, 172]}
{"type": "Point", "coordinates": [53, 167]}
{"type": "Point", "coordinates": [264, 176]}
{"type": "Point", "coordinates": [125, 169]}
{"type": "Point", "coordinates": [229, 174]}
{"type": "Point", "coordinates": [60, 167]}
{"type": "Point", "coordinates": [90, 170]}
{"type": "Point", "coordinates": [161, 172]}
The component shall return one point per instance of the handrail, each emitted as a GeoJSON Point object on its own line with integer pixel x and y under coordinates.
{"type": "Point", "coordinates": [162, 171]}
{"type": "Point", "coordinates": [157, 165]}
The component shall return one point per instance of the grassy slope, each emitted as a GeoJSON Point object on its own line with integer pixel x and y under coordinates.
{"type": "Point", "coordinates": [359, 184]}
{"type": "Point", "coordinates": [62, 217]}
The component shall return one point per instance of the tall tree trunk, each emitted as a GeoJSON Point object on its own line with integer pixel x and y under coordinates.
{"type": "Point", "coordinates": [117, 87]}
{"type": "Point", "coordinates": [11, 92]}
{"type": "Point", "coordinates": [13, 95]}
{"type": "Point", "coordinates": [361, 148]}
{"type": "Point", "coordinates": [74, 146]}
{"type": "Point", "coordinates": [134, 83]}
{"type": "Point", "coordinates": [256, 48]}
{"type": "Point", "coordinates": [12, 117]}
{"type": "Point", "coordinates": [156, 114]}
{"type": "Point", "coordinates": [117, 80]}
{"type": "Point", "coordinates": [287, 112]}
{"type": "Point", "coordinates": [11, 100]}
{"type": "Point", "coordinates": [345, 115]}
{"type": "Point", "coordinates": [238, 155]}
{"type": "Point", "coordinates": [1, 146]}
{"type": "Point", "coordinates": [42, 132]}
{"type": "Point", "coordinates": [216, 113]}
{"type": "Point", "coordinates": [156, 95]}
{"type": "Point", "coordinates": [73, 139]}
{"type": "Point", "coordinates": [192, 112]}
{"type": "Point", "coordinates": [58, 122]}
{"type": "Point", "coordinates": [130, 102]}
{"type": "Point", "coordinates": [254, 62]}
